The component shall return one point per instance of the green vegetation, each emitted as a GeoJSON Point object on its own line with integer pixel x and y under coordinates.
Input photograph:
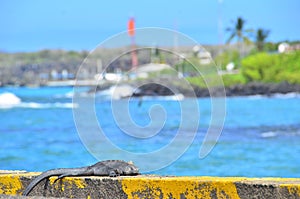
{"type": "Point", "coordinates": [238, 31]}
{"type": "Point", "coordinates": [234, 79]}
{"type": "Point", "coordinates": [261, 67]}
{"type": "Point", "coordinates": [226, 57]}
{"type": "Point", "coordinates": [272, 68]}
{"type": "Point", "coordinates": [24, 68]}
{"type": "Point", "coordinates": [188, 66]}
{"type": "Point", "coordinates": [228, 80]}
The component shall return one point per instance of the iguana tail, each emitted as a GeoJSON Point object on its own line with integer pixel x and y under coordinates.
{"type": "Point", "coordinates": [44, 175]}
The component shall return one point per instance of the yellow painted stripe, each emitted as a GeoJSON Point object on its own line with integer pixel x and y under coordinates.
{"type": "Point", "coordinates": [292, 189]}
{"type": "Point", "coordinates": [175, 187]}
{"type": "Point", "coordinates": [10, 184]}
{"type": "Point", "coordinates": [198, 187]}
{"type": "Point", "coordinates": [157, 186]}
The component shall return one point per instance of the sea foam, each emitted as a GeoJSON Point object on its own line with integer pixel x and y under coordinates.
{"type": "Point", "coordinates": [10, 100]}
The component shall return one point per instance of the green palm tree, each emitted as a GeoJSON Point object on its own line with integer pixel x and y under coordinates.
{"type": "Point", "coordinates": [239, 32]}
{"type": "Point", "coordinates": [261, 36]}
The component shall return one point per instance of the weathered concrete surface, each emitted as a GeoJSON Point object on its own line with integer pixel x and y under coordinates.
{"type": "Point", "coordinates": [2, 196]}
{"type": "Point", "coordinates": [152, 187]}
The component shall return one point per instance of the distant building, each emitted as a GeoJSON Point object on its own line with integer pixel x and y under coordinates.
{"type": "Point", "coordinates": [54, 75]}
{"type": "Point", "coordinates": [285, 47]}
{"type": "Point", "coordinates": [64, 74]}
{"type": "Point", "coordinates": [204, 57]}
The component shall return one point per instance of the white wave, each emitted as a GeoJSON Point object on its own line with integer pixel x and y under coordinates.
{"type": "Point", "coordinates": [65, 95]}
{"type": "Point", "coordinates": [177, 97]}
{"type": "Point", "coordinates": [268, 134]}
{"type": "Point", "coordinates": [35, 105]}
{"type": "Point", "coordinates": [287, 95]}
{"type": "Point", "coordinates": [255, 97]}
{"type": "Point", "coordinates": [126, 91]}
{"type": "Point", "coordinates": [276, 95]}
{"type": "Point", "coordinates": [116, 92]}
{"type": "Point", "coordinates": [66, 105]}
{"type": "Point", "coordinates": [8, 100]}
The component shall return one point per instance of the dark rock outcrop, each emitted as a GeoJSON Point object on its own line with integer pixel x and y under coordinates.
{"type": "Point", "coordinates": [168, 88]}
{"type": "Point", "coordinates": [256, 88]}
{"type": "Point", "coordinates": [153, 89]}
{"type": "Point", "coordinates": [253, 88]}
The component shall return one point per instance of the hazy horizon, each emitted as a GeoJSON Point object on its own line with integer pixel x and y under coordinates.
{"type": "Point", "coordinates": [32, 25]}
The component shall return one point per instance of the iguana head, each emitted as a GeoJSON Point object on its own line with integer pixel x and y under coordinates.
{"type": "Point", "coordinates": [130, 169]}
{"type": "Point", "coordinates": [114, 168]}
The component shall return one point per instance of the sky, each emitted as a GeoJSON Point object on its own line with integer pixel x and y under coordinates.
{"type": "Point", "coordinates": [32, 25]}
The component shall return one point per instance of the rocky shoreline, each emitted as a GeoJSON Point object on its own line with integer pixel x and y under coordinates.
{"type": "Point", "coordinates": [253, 88]}
{"type": "Point", "coordinates": [266, 89]}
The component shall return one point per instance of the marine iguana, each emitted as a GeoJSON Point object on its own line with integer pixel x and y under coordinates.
{"type": "Point", "coordinates": [110, 168]}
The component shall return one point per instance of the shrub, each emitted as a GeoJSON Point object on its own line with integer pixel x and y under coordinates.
{"type": "Point", "coordinates": [272, 68]}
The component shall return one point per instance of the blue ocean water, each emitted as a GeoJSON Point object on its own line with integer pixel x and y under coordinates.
{"type": "Point", "coordinates": [260, 138]}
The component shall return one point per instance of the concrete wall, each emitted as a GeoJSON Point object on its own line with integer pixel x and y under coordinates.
{"type": "Point", "coordinates": [152, 187]}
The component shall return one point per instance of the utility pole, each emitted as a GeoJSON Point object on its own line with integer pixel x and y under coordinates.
{"type": "Point", "coordinates": [131, 33]}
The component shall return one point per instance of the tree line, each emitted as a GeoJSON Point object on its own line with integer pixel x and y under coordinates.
{"type": "Point", "coordinates": [247, 53]}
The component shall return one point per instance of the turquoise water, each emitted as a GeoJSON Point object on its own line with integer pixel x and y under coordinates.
{"type": "Point", "coordinates": [260, 138]}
